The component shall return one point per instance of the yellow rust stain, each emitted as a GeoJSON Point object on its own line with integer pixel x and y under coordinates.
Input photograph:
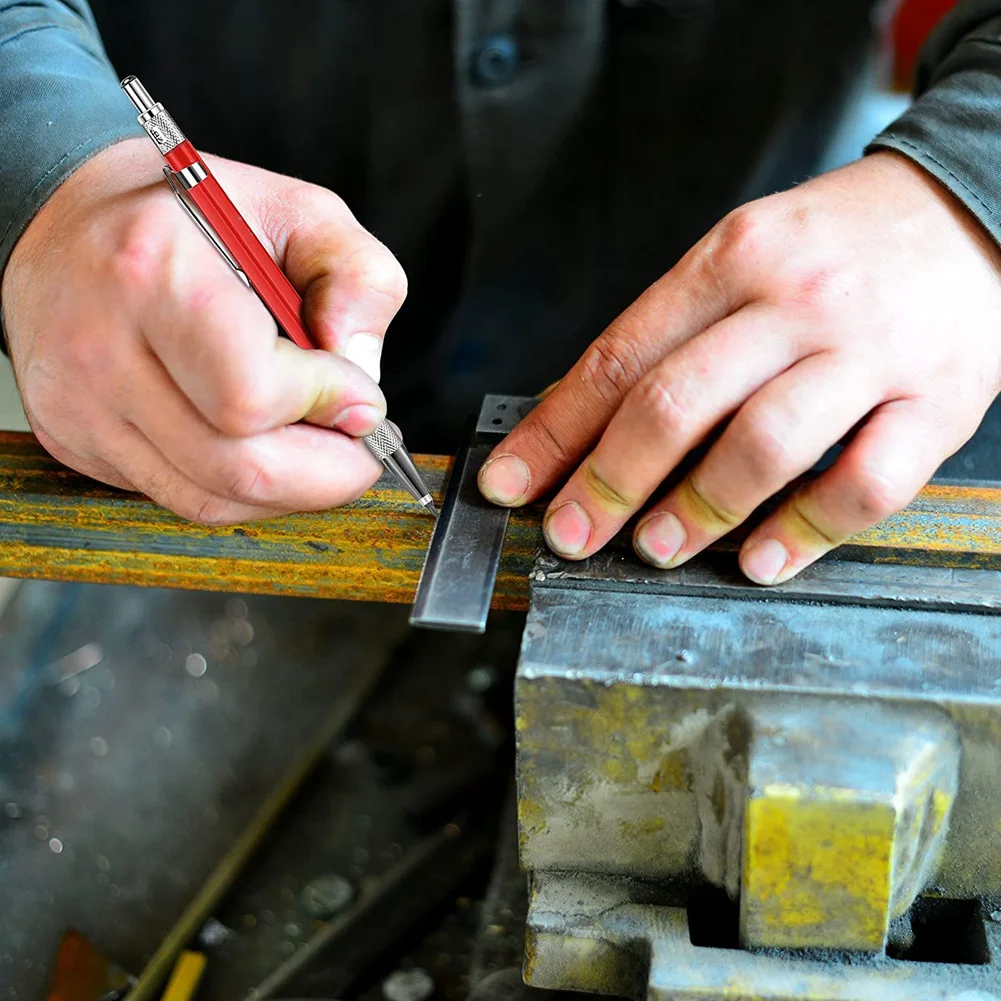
{"type": "Point", "coordinates": [641, 828]}
{"type": "Point", "coordinates": [673, 774]}
{"type": "Point", "coordinates": [816, 871]}
{"type": "Point", "coordinates": [531, 816]}
{"type": "Point", "coordinates": [941, 804]}
{"type": "Point", "coordinates": [55, 524]}
{"type": "Point", "coordinates": [59, 525]}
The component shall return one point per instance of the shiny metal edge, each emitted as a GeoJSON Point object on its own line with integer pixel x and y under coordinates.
{"type": "Point", "coordinates": [457, 581]}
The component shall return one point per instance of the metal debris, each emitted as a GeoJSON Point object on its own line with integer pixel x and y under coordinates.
{"type": "Point", "coordinates": [80, 660]}
{"type": "Point", "coordinates": [213, 933]}
{"type": "Point", "coordinates": [481, 679]}
{"type": "Point", "coordinates": [408, 985]}
{"type": "Point", "coordinates": [195, 664]}
{"type": "Point", "coordinates": [326, 895]}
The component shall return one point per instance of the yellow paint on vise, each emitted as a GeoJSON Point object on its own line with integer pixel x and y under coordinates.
{"type": "Point", "coordinates": [817, 870]}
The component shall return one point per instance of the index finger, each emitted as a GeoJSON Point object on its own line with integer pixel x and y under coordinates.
{"type": "Point", "coordinates": [556, 436]}
{"type": "Point", "coordinates": [221, 348]}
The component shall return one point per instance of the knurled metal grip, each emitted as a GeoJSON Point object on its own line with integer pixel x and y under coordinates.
{"type": "Point", "coordinates": [161, 128]}
{"type": "Point", "coordinates": [384, 440]}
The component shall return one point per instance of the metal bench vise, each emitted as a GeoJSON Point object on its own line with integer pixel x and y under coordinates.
{"type": "Point", "coordinates": [731, 792]}
{"type": "Point", "coordinates": [734, 792]}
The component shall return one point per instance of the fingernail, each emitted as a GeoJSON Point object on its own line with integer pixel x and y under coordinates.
{"type": "Point", "coordinates": [567, 529]}
{"type": "Point", "coordinates": [365, 351]}
{"type": "Point", "coordinates": [359, 419]}
{"type": "Point", "coordinates": [504, 479]}
{"type": "Point", "coordinates": [659, 539]}
{"type": "Point", "coordinates": [764, 561]}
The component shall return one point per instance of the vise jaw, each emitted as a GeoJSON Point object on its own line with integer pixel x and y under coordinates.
{"type": "Point", "coordinates": [732, 792]}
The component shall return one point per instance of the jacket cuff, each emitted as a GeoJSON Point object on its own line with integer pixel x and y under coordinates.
{"type": "Point", "coordinates": [60, 103]}
{"type": "Point", "coordinates": [952, 130]}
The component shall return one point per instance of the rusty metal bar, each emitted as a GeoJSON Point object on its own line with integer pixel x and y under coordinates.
{"type": "Point", "coordinates": [58, 525]}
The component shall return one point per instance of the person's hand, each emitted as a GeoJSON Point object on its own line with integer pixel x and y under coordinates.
{"type": "Point", "coordinates": [143, 362]}
{"type": "Point", "coordinates": [865, 302]}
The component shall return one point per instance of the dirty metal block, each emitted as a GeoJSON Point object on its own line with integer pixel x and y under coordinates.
{"type": "Point", "coordinates": [818, 759]}
{"type": "Point", "coordinates": [844, 820]}
{"type": "Point", "coordinates": [596, 934]}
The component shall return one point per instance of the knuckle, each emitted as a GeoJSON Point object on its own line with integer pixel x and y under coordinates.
{"type": "Point", "coordinates": [250, 482]}
{"type": "Point", "coordinates": [376, 270]}
{"type": "Point", "coordinates": [303, 202]}
{"type": "Point", "coordinates": [202, 508]}
{"type": "Point", "coordinates": [608, 495]}
{"type": "Point", "coordinates": [239, 409]}
{"type": "Point", "coordinates": [210, 511]}
{"type": "Point", "coordinates": [659, 403]}
{"type": "Point", "coordinates": [610, 367]}
{"type": "Point", "coordinates": [743, 235]}
{"type": "Point", "coordinates": [816, 291]}
{"type": "Point", "coordinates": [766, 446]}
{"type": "Point", "coordinates": [711, 511]}
{"type": "Point", "coordinates": [801, 510]}
{"type": "Point", "coordinates": [823, 294]}
{"type": "Point", "coordinates": [138, 255]}
{"type": "Point", "coordinates": [877, 497]}
{"type": "Point", "coordinates": [549, 438]}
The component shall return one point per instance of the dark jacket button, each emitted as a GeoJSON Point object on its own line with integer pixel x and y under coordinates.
{"type": "Point", "coordinates": [495, 62]}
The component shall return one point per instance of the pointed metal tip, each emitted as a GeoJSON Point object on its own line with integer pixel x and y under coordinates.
{"type": "Point", "coordinates": [427, 502]}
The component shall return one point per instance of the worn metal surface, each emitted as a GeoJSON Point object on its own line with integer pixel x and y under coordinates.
{"type": "Point", "coordinates": [606, 936]}
{"type": "Point", "coordinates": [457, 581]}
{"type": "Point", "coordinates": [615, 690]}
{"type": "Point", "coordinates": [845, 815]}
{"type": "Point", "coordinates": [56, 524]}
{"type": "Point", "coordinates": [832, 581]}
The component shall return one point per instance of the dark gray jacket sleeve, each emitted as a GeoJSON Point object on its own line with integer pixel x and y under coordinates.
{"type": "Point", "coordinates": [59, 105]}
{"type": "Point", "coordinates": [953, 129]}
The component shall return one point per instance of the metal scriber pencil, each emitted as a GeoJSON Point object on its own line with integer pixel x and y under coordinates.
{"type": "Point", "coordinates": [218, 218]}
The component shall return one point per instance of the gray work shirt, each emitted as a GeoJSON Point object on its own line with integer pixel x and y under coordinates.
{"type": "Point", "coordinates": [535, 164]}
